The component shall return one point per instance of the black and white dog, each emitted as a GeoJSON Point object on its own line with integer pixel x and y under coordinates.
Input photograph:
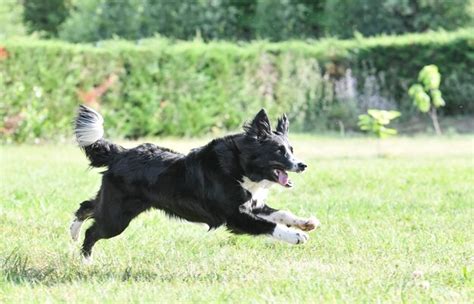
{"type": "Point", "coordinates": [222, 183]}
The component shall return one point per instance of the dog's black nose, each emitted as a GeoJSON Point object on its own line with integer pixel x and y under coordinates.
{"type": "Point", "coordinates": [301, 167]}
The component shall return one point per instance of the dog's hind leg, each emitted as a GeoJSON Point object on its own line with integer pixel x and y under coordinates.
{"type": "Point", "coordinates": [93, 234]}
{"type": "Point", "coordinates": [101, 230]}
{"type": "Point", "coordinates": [84, 212]}
{"type": "Point", "coordinates": [111, 220]}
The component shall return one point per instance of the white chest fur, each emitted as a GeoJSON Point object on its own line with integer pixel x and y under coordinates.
{"type": "Point", "coordinates": [258, 190]}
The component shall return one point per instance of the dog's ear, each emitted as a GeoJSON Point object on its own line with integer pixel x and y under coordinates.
{"type": "Point", "coordinates": [283, 125]}
{"type": "Point", "coordinates": [260, 126]}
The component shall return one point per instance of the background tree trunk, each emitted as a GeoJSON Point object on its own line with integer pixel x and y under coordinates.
{"type": "Point", "coordinates": [434, 118]}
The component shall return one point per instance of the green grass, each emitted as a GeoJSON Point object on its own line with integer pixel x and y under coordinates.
{"type": "Point", "coordinates": [382, 219]}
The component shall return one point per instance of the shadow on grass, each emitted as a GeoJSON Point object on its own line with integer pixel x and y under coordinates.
{"type": "Point", "coordinates": [17, 269]}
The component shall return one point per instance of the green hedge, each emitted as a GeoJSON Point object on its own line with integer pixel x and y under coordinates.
{"type": "Point", "coordinates": [193, 88]}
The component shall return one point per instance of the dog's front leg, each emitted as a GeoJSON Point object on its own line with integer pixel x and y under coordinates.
{"type": "Point", "coordinates": [286, 218]}
{"type": "Point", "coordinates": [249, 224]}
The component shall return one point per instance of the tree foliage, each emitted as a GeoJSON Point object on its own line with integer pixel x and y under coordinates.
{"type": "Point", "coordinates": [372, 17]}
{"type": "Point", "coordinates": [426, 94]}
{"type": "Point", "coordinates": [45, 16]}
{"type": "Point", "coordinates": [275, 20]}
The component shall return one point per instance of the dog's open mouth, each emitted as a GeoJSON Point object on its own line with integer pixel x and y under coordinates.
{"type": "Point", "coordinates": [282, 178]}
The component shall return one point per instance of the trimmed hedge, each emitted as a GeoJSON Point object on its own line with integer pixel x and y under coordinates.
{"type": "Point", "coordinates": [193, 88]}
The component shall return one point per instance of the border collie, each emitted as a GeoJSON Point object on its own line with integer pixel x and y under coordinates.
{"type": "Point", "coordinates": [222, 183]}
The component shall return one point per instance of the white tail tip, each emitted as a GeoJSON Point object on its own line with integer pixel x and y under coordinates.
{"type": "Point", "coordinates": [88, 126]}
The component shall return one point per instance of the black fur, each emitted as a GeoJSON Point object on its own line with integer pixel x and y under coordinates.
{"type": "Point", "coordinates": [203, 186]}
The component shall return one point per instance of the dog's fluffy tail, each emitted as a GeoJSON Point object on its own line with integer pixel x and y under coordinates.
{"type": "Point", "coordinates": [89, 131]}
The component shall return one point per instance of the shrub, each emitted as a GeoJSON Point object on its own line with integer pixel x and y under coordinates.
{"type": "Point", "coordinates": [376, 121]}
{"type": "Point", "coordinates": [193, 88]}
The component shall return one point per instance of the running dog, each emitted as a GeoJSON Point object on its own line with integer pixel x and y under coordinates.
{"type": "Point", "coordinates": [222, 183]}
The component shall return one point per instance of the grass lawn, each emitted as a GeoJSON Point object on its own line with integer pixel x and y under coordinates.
{"type": "Point", "coordinates": [383, 218]}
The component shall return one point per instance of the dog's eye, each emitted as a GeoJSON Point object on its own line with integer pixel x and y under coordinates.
{"type": "Point", "coordinates": [291, 149]}
{"type": "Point", "coordinates": [282, 149]}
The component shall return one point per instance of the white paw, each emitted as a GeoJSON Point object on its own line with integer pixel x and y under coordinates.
{"type": "Point", "coordinates": [289, 235]}
{"type": "Point", "coordinates": [87, 260]}
{"type": "Point", "coordinates": [75, 228]}
{"type": "Point", "coordinates": [309, 224]}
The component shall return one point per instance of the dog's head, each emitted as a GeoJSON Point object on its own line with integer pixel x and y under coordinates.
{"type": "Point", "coordinates": [267, 154]}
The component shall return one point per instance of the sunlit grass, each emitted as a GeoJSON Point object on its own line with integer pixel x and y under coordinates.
{"type": "Point", "coordinates": [383, 219]}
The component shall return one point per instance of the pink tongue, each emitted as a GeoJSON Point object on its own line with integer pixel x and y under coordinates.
{"type": "Point", "coordinates": [282, 178]}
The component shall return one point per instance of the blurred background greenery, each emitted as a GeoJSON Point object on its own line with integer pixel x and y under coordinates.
{"type": "Point", "coordinates": [194, 67]}
{"type": "Point", "coordinates": [235, 20]}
